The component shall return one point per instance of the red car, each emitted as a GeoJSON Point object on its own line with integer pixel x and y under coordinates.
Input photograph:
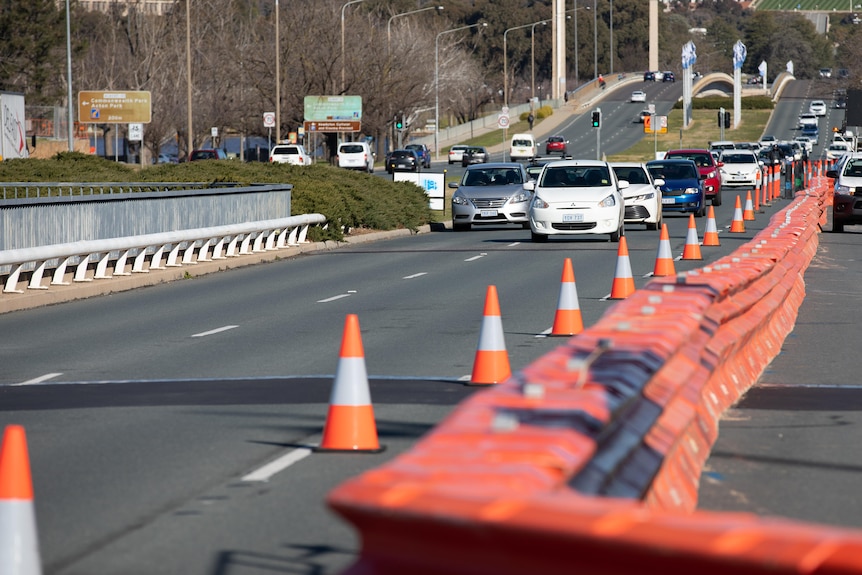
{"type": "Point", "coordinates": [556, 145]}
{"type": "Point", "coordinates": [707, 166]}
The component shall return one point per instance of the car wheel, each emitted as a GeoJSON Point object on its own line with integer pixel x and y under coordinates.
{"type": "Point", "coordinates": [525, 225]}
{"type": "Point", "coordinates": [716, 199]}
{"type": "Point", "coordinates": [837, 227]}
{"type": "Point", "coordinates": [538, 238]}
{"type": "Point", "coordinates": [652, 226]}
{"type": "Point", "coordinates": [615, 237]}
{"type": "Point", "coordinates": [701, 212]}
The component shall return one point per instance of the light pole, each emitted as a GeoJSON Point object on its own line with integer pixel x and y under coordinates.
{"type": "Point", "coordinates": [575, 10]}
{"type": "Point", "coordinates": [389, 24]}
{"type": "Point", "coordinates": [505, 60]}
{"type": "Point", "coordinates": [595, 40]}
{"type": "Point", "coordinates": [69, 75]}
{"type": "Point", "coordinates": [437, 83]}
{"type": "Point", "coordinates": [190, 135]}
{"type": "Point", "coordinates": [533, 59]}
{"type": "Point", "coordinates": [343, 82]}
{"type": "Point", "coordinates": [277, 79]}
{"type": "Point", "coordinates": [611, 40]}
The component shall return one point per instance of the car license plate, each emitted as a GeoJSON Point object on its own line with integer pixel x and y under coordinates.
{"type": "Point", "coordinates": [668, 201]}
{"type": "Point", "coordinates": [489, 213]}
{"type": "Point", "coordinates": [573, 217]}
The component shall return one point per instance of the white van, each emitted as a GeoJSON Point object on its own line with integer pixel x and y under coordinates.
{"type": "Point", "coordinates": [523, 147]}
{"type": "Point", "coordinates": [355, 156]}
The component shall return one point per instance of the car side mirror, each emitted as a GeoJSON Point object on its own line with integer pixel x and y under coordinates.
{"type": "Point", "coordinates": [721, 164]}
{"type": "Point", "coordinates": [622, 184]}
{"type": "Point", "coordinates": [530, 185]}
{"type": "Point", "coordinates": [453, 185]}
{"type": "Point", "coordinates": [832, 174]}
{"type": "Point", "coordinates": [658, 182]}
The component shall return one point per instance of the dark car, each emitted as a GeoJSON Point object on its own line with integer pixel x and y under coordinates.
{"type": "Point", "coordinates": [423, 152]}
{"type": "Point", "coordinates": [556, 145]}
{"type": "Point", "coordinates": [403, 161]}
{"type": "Point", "coordinates": [707, 166]}
{"type": "Point", "coordinates": [682, 190]}
{"type": "Point", "coordinates": [649, 76]}
{"type": "Point", "coordinates": [475, 155]}
{"type": "Point", "coordinates": [847, 195]}
{"type": "Point", "coordinates": [208, 154]}
{"type": "Point", "coordinates": [668, 77]}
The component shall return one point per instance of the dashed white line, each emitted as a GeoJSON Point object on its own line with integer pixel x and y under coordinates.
{"type": "Point", "coordinates": [267, 471]}
{"type": "Point", "coordinates": [39, 379]}
{"type": "Point", "coordinates": [414, 276]}
{"type": "Point", "coordinates": [513, 244]}
{"type": "Point", "coordinates": [215, 331]}
{"type": "Point", "coordinates": [333, 298]}
{"type": "Point", "coordinates": [474, 258]}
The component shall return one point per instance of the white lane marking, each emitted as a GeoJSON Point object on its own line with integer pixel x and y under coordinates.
{"type": "Point", "coordinates": [419, 275]}
{"type": "Point", "coordinates": [513, 244]}
{"type": "Point", "coordinates": [39, 379]}
{"type": "Point", "coordinates": [474, 258]}
{"type": "Point", "coordinates": [333, 298]}
{"type": "Point", "coordinates": [546, 332]}
{"type": "Point", "coordinates": [267, 471]}
{"type": "Point", "coordinates": [214, 331]}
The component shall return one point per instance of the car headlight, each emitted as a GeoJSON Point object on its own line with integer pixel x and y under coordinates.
{"type": "Point", "coordinates": [692, 191]}
{"type": "Point", "coordinates": [642, 197]}
{"type": "Point", "coordinates": [539, 203]}
{"type": "Point", "coordinates": [459, 199]}
{"type": "Point", "coordinates": [608, 202]}
{"type": "Point", "coordinates": [711, 174]}
{"type": "Point", "coordinates": [522, 196]}
{"type": "Point", "coordinates": [844, 189]}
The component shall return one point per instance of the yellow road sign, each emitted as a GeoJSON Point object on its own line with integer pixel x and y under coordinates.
{"type": "Point", "coordinates": [116, 107]}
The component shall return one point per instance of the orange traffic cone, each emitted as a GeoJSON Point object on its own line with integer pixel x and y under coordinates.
{"type": "Point", "coordinates": [568, 320]}
{"type": "Point", "coordinates": [624, 283]}
{"type": "Point", "coordinates": [491, 364]}
{"type": "Point", "coordinates": [19, 547]}
{"type": "Point", "coordinates": [664, 257]}
{"type": "Point", "coordinates": [748, 212]}
{"type": "Point", "coordinates": [691, 251]}
{"type": "Point", "coordinates": [710, 236]}
{"type": "Point", "coordinates": [737, 225]}
{"type": "Point", "coordinates": [350, 421]}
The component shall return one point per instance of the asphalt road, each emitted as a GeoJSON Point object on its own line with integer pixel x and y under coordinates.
{"type": "Point", "coordinates": [151, 414]}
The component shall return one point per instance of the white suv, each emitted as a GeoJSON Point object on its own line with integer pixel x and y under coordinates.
{"type": "Point", "coordinates": [817, 107]}
{"type": "Point", "coordinates": [355, 156]}
{"type": "Point", "coordinates": [293, 154]}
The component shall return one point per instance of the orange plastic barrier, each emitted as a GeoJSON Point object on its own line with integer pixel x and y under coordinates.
{"type": "Point", "coordinates": [588, 460]}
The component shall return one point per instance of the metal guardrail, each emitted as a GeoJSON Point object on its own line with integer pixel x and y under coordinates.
{"type": "Point", "coordinates": [184, 247]}
{"type": "Point", "coordinates": [36, 190]}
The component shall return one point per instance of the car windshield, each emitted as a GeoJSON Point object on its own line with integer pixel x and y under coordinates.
{"type": "Point", "coordinates": [575, 177]}
{"type": "Point", "coordinates": [631, 175]}
{"type": "Point", "coordinates": [738, 159]}
{"type": "Point", "coordinates": [493, 177]}
{"type": "Point", "coordinates": [703, 160]}
{"type": "Point", "coordinates": [853, 168]}
{"type": "Point", "coordinates": [672, 171]}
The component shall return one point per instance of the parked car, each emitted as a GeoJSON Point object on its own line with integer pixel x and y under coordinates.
{"type": "Point", "coordinates": [683, 189]}
{"type": "Point", "coordinates": [638, 96]}
{"type": "Point", "coordinates": [817, 107]}
{"type": "Point", "coordinates": [642, 198]}
{"type": "Point", "coordinates": [740, 169]}
{"type": "Point", "coordinates": [494, 193]}
{"type": "Point", "coordinates": [423, 152]}
{"type": "Point", "coordinates": [475, 155]}
{"type": "Point", "coordinates": [846, 207]}
{"type": "Point", "coordinates": [707, 167]}
{"type": "Point", "coordinates": [293, 154]}
{"type": "Point", "coordinates": [825, 72]}
{"type": "Point", "coordinates": [456, 153]}
{"type": "Point", "coordinates": [207, 154]}
{"type": "Point", "coordinates": [403, 161]}
{"type": "Point", "coordinates": [166, 159]}
{"type": "Point", "coordinates": [355, 156]}
{"type": "Point", "coordinates": [668, 77]}
{"type": "Point", "coordinates": [256, 154]}
{"type": "Point", "coordinates": [576, 197]}
{"type": "Point", "coordinates": [556, 145]}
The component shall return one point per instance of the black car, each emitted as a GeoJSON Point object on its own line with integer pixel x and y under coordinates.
{"type": "Point", "coordinates": [669, 77]}
{"type": "Point", "coordinates": [649, 76]}
{"type": "Point", "coordinates": [423, 152]}
{"type": "Point", "coordinates": [475, 155]}
{"type": "Point", "coordinates": [403, 161]}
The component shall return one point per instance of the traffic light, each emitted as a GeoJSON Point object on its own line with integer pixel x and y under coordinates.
{"type": "Point", "coordinates": [399, 122]}
{"type": "Point", "coordinates": [726, 119]}
{"type": "Point", "coordinates": [597, 119]}
{"type": "Point", "coordinates": [723, 118]}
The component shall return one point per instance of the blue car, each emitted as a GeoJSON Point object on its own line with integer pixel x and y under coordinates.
{"type": "Point", "coordinates": [682, 190]}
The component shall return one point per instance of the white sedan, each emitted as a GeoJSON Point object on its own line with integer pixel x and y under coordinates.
{"type": "Point", "coordinates": [575, 197]}
{"type": "Point", "coordinates": [740, 168]}
{"type": "Point", "coordinates": [638, 96]}
{"type": "Point", "coordinates": [642, 198]}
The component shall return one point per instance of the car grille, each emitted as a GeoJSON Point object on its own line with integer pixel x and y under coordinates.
{"type": "Point", "coordinates": [489, 202]}
{"type": "Point", "coordinates": [574, 227]}
{"type": "Point", "coordinates": [674, 192]}
{"type": "Point", "coordinates": [636, 213]}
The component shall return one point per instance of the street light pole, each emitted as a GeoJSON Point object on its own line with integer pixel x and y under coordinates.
{"type": "Point", "coordinates": [505, 60]}
{"type": "Point", "coordinates": [69, 76]}
{"type": "Point", "coordinates": [575, 10]}
{"type": "Point", "coordinates": [437, 83]}
{"type": "Point", "coordinates": [343, 82]}
{"type": "Point", "coordinates": [533, 59]}
{"type": "Point", "coordinates": [595, 40]}
{"type": "Point", "coordinates": [389, 24]}
{"type": "Point", "coordinates": [611, 41]}
{"type": "Point", "coordinates": [277, 79]}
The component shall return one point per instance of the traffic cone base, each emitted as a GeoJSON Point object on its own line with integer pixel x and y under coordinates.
{"type": "Point", "coordinates": [691, 251]}
{"type": "Point", "coordinates": [19, 545]}
{"type": "Point", "coordinates": [491, 363]}
{"type": "Point", "coordinates": [568, 320]}
{"type": "Point", "coordinates": [624, 284]}
{"type": "Point", "coordinates": [664, 259]}
{"type": "Point", "coordinates": [350, 425]}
